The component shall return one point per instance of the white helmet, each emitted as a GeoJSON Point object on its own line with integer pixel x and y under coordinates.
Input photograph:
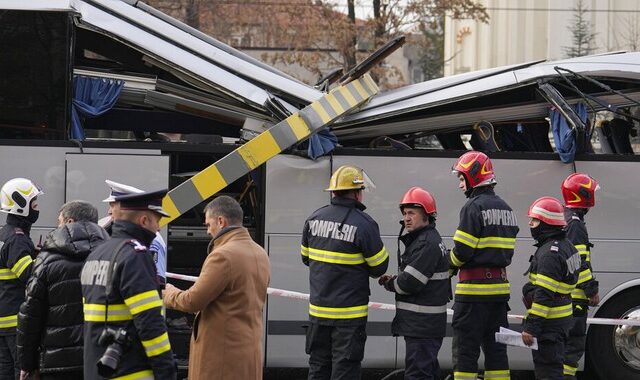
{"type": "Point", "coordinates": [16, 196]}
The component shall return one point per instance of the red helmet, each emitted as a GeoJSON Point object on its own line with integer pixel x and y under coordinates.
{"type": "Point", "coordinates": [476, 168]}
{"type": "Point", "coordinates": [548, 210]}
{"type": "Point", "coordinates": [579, 191]}
{"type": "Point", "coordinates": [419, 197]}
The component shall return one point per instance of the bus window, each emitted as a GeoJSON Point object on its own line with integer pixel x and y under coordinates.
{"type": "Point", "coordinates": [35, 78]}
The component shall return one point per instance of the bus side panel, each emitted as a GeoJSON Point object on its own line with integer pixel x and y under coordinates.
{"type": "Point", "coordinates": [617, 200]}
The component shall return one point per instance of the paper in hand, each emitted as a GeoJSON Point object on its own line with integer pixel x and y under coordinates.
{"type": "Point", "coordinates": [513, 338]}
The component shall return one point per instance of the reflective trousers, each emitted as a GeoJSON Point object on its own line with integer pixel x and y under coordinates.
{"type": "Point", "coordinates": [548, 358]}
{"type": "Point", "coordinates": [474, 327]}
{"type": "Point", "coordinates": [574, 348]}
{"type": "Point", "coordinates": [421, 359]}
{"type": "Point", "coordinates": [335, 352]}
{"type": "Point", "coordinates": [9, 369]}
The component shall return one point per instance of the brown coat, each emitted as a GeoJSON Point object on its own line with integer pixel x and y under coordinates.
{"type": "Point", "coordinates": [229, 297]}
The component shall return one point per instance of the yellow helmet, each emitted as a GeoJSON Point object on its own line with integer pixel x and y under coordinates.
{"type": "Point", "coordinates": [347, 177]}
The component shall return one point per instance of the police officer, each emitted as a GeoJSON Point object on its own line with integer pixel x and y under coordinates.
{"type": "Point", "coordinates": [158, 247]}
{"type": "Point", "coordinates": [483, 248]}
{"type": "Point", "coordinates": [341, 245]}
{"type": "Point", "coordinates": [422, 286]}
{"type": "Point", "coordinates": [578, 191]}
{"type": "Point", "coordinates": [19, 201]}
{"type": "Point", "coordinates": [124, 332]}
{"type": "Point", "coordinates": [553, 274]}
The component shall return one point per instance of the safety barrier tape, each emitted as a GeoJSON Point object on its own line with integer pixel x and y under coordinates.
{"type": "Point", "coordinates": [387, 306]}
{"type": "Point", "coordinates": [266, 145]}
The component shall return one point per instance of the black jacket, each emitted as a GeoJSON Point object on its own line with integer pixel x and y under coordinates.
{"type": "Point", "coordinates": [16, 252]}
{"type": "Point", "coordinates": [422, 286]}
{"type": "Point", "coordinates": [587, 285]}
{"type": "Point", "coordinates": [134, 305]}
{"type": "Point", "coordinates": [553, 274]}
{"type": "Point", "coordinates": [342, 247]}
{"type": "Point", "coordinates": [50, 319]}
{"type": "Point", "coordinates": [485, 238]}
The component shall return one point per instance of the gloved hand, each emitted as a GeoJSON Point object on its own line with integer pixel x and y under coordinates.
{"type": "Point", "coordinates": [382, 280]}
{"type": "Point", "coordinates": [527, 301]}
{"type": "Point", "coordinates": [387, 281]}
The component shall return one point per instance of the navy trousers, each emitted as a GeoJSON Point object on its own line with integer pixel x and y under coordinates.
{"type": "Point", "coordinates": [421, 359]}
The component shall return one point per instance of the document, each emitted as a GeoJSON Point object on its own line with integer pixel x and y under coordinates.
{"type": "Point", "coordinates": [513, 338]}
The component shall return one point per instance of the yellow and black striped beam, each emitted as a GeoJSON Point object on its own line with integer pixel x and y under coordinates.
{"type": "Point", "coordinates": [268, 144]}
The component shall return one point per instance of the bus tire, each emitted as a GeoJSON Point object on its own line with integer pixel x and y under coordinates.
{"type": "Point", "coordinates": [602, 356]}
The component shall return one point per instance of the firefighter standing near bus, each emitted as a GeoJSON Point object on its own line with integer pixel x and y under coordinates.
{"type": "Point", "coordinates": [19, 201]}
{"type": "Point", "coordinates": [341, 244]}
{"type": "Point", "coordinates": [578, 191]}
{"type": "Point", "coordinates": [422, 286]}
{"type": "Point", "coordinates": [553, 273]}
{"type": "Point", "coordinates": [483, 248]}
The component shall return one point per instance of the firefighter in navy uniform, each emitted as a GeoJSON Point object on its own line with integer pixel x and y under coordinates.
{"type": "Point", "coordinates": [553, 274]}
{"type": "Point", "coordinates": [422, 286]}
{"type": "Point", "coordinates": [19, 201]}
{"type": "Point", "coordinates": [125, 336]}
{"type": "Point", "coordinates": [578, 191]}
{"type": "Point", "coordinates": [341, 245]}
{"type": "Point", "coordinates": [483, 248]}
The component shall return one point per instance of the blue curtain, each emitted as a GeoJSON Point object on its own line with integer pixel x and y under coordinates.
{"type": "Point", "coordinates": [563, 135]}
{"type": "Point", "coordinates": [321, 143]}
{"type": "Point", "coordinates": [91, 97]}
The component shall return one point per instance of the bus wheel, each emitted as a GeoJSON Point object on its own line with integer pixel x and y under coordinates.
{"type": "Point", "coordinates": [613, 352]}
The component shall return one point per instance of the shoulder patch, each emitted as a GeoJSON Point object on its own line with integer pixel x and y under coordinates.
{"type": "Point", "coordinates": [137, 246]}
{"type": "Point", "coordinates": [554, 248]}
{"type": "Point", "coordinates": [18, 231]}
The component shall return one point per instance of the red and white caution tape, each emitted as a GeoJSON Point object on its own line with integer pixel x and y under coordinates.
{"type": "Point", "coordinates": [386, 306]}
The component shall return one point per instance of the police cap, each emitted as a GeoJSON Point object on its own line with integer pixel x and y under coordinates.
{"type": "Point", "coordinates": [150, 200]}
{"type": "Point", "coordinates": [118, 189]}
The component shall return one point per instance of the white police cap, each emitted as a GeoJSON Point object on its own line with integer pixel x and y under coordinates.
{"type": "Point", "coordinates": [118, 189]}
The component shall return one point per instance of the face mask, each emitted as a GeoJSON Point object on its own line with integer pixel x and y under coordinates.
{"type": "Point", "coordinates": [536, 232]}
{"type": "Point", "coordinates": [33, 216]}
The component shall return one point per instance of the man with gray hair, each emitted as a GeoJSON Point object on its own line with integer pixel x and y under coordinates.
{"type": "Point", "coordinates": [49, 333]}
{"type": "Point", "coordinates": [228, 296]}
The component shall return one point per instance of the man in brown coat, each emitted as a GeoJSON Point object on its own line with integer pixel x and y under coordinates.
{"type": "Point", "coordinates": [228, 297]}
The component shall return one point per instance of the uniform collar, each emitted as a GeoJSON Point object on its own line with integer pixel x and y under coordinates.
{"type": "Point", "coordinates": [569, 213]}
{"type": "Point", "coordinates": [409, 237]}
{"type": "Point", "coordinates": [554, 234]}
{"type": "Point", "coordinates": [20, 222]}
{"type": "Point", "coordinates": [482, 190]}
{"type": "Point", "coordinates": [347, 202]}
{"type": "Point", "coordinates": [126, 229]}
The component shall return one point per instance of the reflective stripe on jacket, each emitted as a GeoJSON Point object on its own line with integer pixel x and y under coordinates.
{"type": "Point", "coordinates": [16, 263]}
{"type": "Point", "coordinates": [486, 237]}
{"type": "Point", "coordinates": [576, 229]}
{"type": "Point", "coordinates": [134, 305]}
{"type": "Point", "coordinates": [342, 247]}
{"type": "Point", "coordinates": [553, 274]}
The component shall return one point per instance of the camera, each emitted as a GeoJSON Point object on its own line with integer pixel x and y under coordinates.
{"type": "Point", "coordinates": [117, 341]}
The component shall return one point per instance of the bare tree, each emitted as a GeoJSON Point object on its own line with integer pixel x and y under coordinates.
{"type": "Point", "coordinates": [631, 32]}
{"type": "Point", "coordinates": [583, 37]}
{"type": "Point", "coordinates": [315, 35]}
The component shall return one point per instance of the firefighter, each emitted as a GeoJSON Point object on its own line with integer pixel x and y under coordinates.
{"type": "Point", "coordinates": [578, 191]}
{"type": "Point", "coordinates": [124, 332]}
{"type": "Point", "coordinates": [19, 201]}
{"type": "Point", "coordinates": [422, 286]}
{"type": "Point", "coordinates": [553, 274]}
{"type": "Point", "coordinates": [483, 248]}
{"type": "Point", "coordinates": [341, 244]}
